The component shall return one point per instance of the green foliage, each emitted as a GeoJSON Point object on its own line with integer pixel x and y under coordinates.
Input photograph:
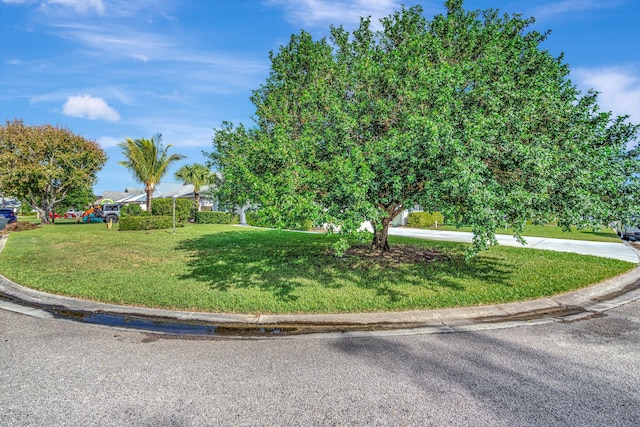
{"type": "Point", "coordinates": [148, 160]}
{"type": "Point", "coordinates": [26, 210]}
{"type": "Point", "coordinates": [261, 218]}
{"type": "Point", "coordinates": [164, 207]}
{"type": "Point", "coordinates": [217, 218]}
{"type": "Point", "coordinates": [79, 199]}
{"type": "Point", "coordinates": [43, 165]}
{"type": "Point", "coordinates": [305, 225]}
{"type": "Point", "coordinates": [425, 219]}
{"type": "Point", "coordinates": [198, 175]}
{"type": "Point", "coordinates": [466, 113]}
{"type": "Point", "coordinates": [131, 210]}
{"type": "Point", "coordinates": [340, 247]}
{"type": "Point", "coordinates": [254, 219]}
{"type": "Point", "coordinates": [146, 222]}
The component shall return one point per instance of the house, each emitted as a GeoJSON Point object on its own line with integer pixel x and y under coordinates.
{"type": "Point", "coordinates": [162, 191]}
{"type": "Point", "coordinates": [116, 196]}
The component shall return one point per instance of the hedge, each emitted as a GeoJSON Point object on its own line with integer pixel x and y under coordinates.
{"type": "Point", "coordinates": [130, 223]}
{"type": "Point", "coordinates": [164, 207]}
{"type": "Point", "coordinates": [425, 219]}
{"type": "Point", "coordinates": [254, 219]}
{"type": "Point", "coordinates": [131, 210]}
{"type": "Point", "coordinates": [214, 217]}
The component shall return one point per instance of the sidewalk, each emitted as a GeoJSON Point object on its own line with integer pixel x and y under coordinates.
{"type": "Point", "coordinates": [572, 306]}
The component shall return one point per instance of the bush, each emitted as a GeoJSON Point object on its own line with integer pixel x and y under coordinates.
{"type": "Point", "coordinates": [425, 219]}
{"type": "Point", "coordinates": [255, 219]}
{"type": "Point", "coordinates": [147, 222]}
{"type": "Point", "coordinates": [130, 210]}
{"type": "Point", "coordinates": [306, 225]}
{"type": "Point", "coordinates": [212, 217]}
{"type": "Point", "coordinates": [164, 207]}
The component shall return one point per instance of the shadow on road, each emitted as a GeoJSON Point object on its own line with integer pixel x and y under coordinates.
{"type": "Point", "coordinates": [517, 382]}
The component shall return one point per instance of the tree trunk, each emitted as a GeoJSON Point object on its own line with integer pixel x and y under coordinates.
{"type": "Point", "coordinates": [149, 191]}
{"type": "Point", "coordinates": [44, 215]}
{"type": "Point", "coordinates": [381, 230]}
{"type": "Point", "coordinates": [197, 197]}
{"type": "Point", "coordinates": [381, 237]}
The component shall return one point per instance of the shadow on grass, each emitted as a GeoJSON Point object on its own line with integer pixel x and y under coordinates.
{"type": "Point", "coordinates": [609, 234]}
{"type": "Point", "coordinates": [283, 262]}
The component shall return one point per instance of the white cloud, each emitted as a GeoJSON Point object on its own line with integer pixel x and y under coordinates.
{"type": "Point", "coordinates": [81, 6]}
{"type": "Point", "coordinates": [619, 89]}
{"type": "Point", "coordinates": [119, 8]}
{"type": "Point", "coordinates": [323, 12]}
{"type": "Point", "coordinates": [572, 6]}
{"type": "Point", "coordinates": [140, 57]}
{"type": "Point", "coordinates": [180, 131]}
{"type": "Point", "coordinates": [117, 40]}
{"type": "Point", "coordinates": [108, 141]}
{"type": "Point", "coordinates": [144, 47]}
{"type": "Point", "coordinates": [86, 106]}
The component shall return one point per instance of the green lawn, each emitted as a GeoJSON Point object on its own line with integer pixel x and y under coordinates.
{"type": "Point", "coordinates": [245, 270]}
{"type": "Point", "coordinates": [551, 231]}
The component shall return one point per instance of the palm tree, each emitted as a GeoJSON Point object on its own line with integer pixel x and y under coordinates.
{"type": "Point", "coordinates": [148, 161]}
{"type": "Point", "coordinates": [198, 175]}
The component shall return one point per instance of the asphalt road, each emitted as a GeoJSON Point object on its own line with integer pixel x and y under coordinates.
{"type": "Point", "coordinates": [585, 373]}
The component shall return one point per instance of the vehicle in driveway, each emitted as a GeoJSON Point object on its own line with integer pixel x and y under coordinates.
{"type": "Point", "coordinates": [110, 212]}
{"type": "Point", "coordinates": [9, 214]}
{"type": "Point", "coordinates": [631, 234]}
{"type": "Point", "coordinates": [71, 213]}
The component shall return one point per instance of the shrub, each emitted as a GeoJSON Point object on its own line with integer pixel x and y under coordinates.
{"type": "Point", "coordinates": [256, 220]}
{"type": "Point", "coordinates": [147, 222]}
{"type": "Point", "coordinates": [213, 217]}
{"type": "Point", "coordinates": [425, 219]}
{"type": "Point", "coordinates": [164, 207]}
{"type": "Point", "coordinates": [26, 210]}
{"type": "Point", "coordinates": [130, 210]}
{"type": "Point", "coordinates": [306, 225]}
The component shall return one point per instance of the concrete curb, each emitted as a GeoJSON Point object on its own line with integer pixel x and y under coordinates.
{"type": "Point", "coordinates": [571, 306]}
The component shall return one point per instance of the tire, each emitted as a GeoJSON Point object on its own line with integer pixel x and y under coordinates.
{"type": "Point", "coordinates": [112, 218]}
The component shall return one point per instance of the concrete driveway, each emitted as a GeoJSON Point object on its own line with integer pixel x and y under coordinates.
{"type": "Point", "coordinates": [602, 249]}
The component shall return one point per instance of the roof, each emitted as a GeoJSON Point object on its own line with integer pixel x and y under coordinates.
{"type": "Point", "coordinates": [119, 195]}
{"type": "Point", "coordinates": [162, 191]}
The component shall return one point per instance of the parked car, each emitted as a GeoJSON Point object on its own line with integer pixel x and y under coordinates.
{"type": "Point", "coordinates": [55, 215]}
{"type": "Point", "coordinates": [110, 212]}
{"type": "Point", "coordinates": [631, 234]}
{"type": "Point", "coordinates": [71, 213]}
{"type": "Point", "coordinates": [9, 214]}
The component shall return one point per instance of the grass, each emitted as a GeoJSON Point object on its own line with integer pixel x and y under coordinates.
{"type": "Point", "coordinates": [551, 231]}
{"type": "Point", "coordinates": [243, 270]}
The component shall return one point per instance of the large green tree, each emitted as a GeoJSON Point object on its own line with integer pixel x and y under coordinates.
{"type": "Point", "coordinates": [79, 199]}
{"type": "Point", "coordinates": [148, 160]}
{"type": "Point", "coordinates": [465, 113]}
{"type": "Point", "coordinates": [43, 165]}
{"type": "Point", "coordinates": [197, 175]}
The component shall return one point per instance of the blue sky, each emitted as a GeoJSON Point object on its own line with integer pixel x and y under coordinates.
{"type": "Point", "coordinates": [112, 69]}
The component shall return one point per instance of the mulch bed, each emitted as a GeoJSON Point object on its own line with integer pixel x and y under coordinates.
{"type": "Point", "coordinates": [398, 254]}
{"type": "Point", "coordinates": [19, 226]}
